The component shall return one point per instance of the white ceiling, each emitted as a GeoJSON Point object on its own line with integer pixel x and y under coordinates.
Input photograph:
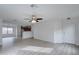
{"type": "Point", "coordinates": [48, 11]}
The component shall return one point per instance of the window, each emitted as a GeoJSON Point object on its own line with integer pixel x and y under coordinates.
{"type": "Point", "coordinates": [10, 30]}
{"type": "Point", "coordinates": [6, 30]}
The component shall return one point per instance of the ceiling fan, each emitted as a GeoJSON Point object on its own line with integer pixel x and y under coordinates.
{"type": "Point", "coordinates": [34, 18]}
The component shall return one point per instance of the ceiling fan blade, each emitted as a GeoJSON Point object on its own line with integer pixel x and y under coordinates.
{"type": "Point", "coordinates": [37, 21]}
{"type": "Point", "coordinates": [30, 20]}
{"type": "Point", "coordinates": [27, 19]}
{"type": "Point", "coordinates": [39, 18]}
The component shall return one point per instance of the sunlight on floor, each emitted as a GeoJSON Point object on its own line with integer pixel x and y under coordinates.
{"type": "Point", "coordinates": [38, 49]}
{"type": "Point", "coordinates": [8, 42]}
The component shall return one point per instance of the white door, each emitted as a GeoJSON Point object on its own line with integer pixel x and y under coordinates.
{"type": "Point", "coordinates": [69, 32]}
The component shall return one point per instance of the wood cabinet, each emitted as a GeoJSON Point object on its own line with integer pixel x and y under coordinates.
{"type": "Point", "coordinates": [26, 28]}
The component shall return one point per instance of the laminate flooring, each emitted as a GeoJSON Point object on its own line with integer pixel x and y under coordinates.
{"type": "Point", "coordinates": [39, 47]}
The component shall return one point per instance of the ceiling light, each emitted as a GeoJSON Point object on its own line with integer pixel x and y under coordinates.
{"type": "Point", "coordinates": [33, 21]}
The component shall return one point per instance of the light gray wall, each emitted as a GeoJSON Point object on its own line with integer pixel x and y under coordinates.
{"type": "Point", "coordinates": [18, 32]}
{"type": "Point", "coordinates": [77, 31]}
{"type": "Point", "coordinates": [58, 30]}
{"type": "Point", "coordinates": [44, 31]}
{"type": "Point", "coordinates": [0, 32]}
{"type": "Point", "coordinates": [50, 30]}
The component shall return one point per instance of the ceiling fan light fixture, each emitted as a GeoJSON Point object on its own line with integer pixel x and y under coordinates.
{"type": "Point", "coordinates": [33, 21]}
